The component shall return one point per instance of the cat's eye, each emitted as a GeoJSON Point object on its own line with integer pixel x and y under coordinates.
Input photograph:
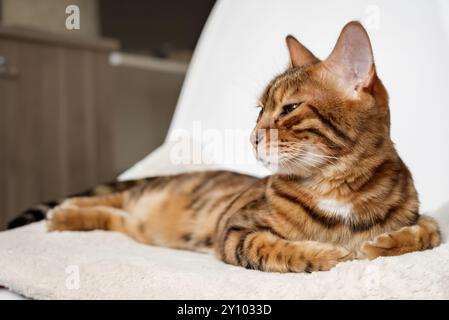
{"type": "Point", "coordinates": [286, 109]}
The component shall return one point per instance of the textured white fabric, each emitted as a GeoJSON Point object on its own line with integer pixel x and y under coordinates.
{"type": "Point", "coordinates": [111, 266]}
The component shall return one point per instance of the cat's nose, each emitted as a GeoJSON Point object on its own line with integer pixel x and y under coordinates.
{"type": "Point", "coordinates": [254, 139]}
{"type": "Point", "coordinates": [257, 136]}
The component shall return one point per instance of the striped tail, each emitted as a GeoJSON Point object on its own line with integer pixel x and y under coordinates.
{"type": "Point", "coordinates": [39, 212]}
{"type": "Point", "coordinates": [32, 214]}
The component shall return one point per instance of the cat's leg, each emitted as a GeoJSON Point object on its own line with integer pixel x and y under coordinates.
{"type": "Point", "coordinates": [87, 213]}
{"type": "Point", "coordinates": [423, 235]}
{"type": "Point", "coordinates": [111, 200]}
{"type": "Point", "coordinates": [262, 250]}
{"type": "Point", "coordinates": [74, 218]}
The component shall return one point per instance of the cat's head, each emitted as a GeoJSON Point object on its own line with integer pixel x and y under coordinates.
{"type": "Point", "coordinates": [317, 112]}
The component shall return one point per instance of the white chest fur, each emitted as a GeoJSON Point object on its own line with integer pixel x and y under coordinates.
{"type": "Point", "coordinates": [336, 208]}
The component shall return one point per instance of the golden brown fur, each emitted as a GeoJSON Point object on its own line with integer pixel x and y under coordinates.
{"type": "Point", "coordinates": [340, 191]}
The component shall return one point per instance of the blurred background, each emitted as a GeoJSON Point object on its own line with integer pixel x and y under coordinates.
{"type": "Point", "coordinates": [77, 107]}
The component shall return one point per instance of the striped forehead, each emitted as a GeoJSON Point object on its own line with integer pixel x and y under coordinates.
{"type": "Point", "coordinates": [280, 86]}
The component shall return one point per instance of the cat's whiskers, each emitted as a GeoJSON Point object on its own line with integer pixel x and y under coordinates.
{"type": "Point", "coordinates": [317, 158]}
{"type": "Point", "coordinates": [298, 150]}
{"type": "Point", "coordinates": [293, 165]}
{"type": "Point", "coordinates": [300, 146]}
{"type": "Point", "coordinates": [300, 161]}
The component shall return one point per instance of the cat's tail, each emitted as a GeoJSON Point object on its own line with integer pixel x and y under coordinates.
{"type": "Point", "coordinates": [33, 214]}
{"type": "Point", "coordinates": [39, 212]}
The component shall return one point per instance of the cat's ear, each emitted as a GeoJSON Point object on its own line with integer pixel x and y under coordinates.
{"type": "Point", "coordinates": [352, 59]}
{"type": "Point", "coordinates": [299, 55]}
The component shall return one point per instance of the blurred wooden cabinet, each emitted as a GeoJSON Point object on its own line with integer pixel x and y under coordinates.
{"type": "Point", "coordinates": [56, 117]}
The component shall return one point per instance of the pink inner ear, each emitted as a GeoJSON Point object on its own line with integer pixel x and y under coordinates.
{"type": "Point", "coordinates": [352, 58]}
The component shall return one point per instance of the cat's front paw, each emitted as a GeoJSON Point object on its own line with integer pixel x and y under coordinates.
{"type": "Point", "coordinates": [383, 245]}
{"type": "Point", "coordinates": [329, 257]}
{"type": "Point", "coordinates": [337, 255]}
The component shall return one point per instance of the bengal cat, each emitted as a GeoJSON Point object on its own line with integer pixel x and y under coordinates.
{"type": "Point", "coordinates": [340, 192]}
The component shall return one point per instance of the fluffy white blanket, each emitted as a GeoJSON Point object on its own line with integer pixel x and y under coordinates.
{"type": "Point", "coordinates": [107, 265]}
